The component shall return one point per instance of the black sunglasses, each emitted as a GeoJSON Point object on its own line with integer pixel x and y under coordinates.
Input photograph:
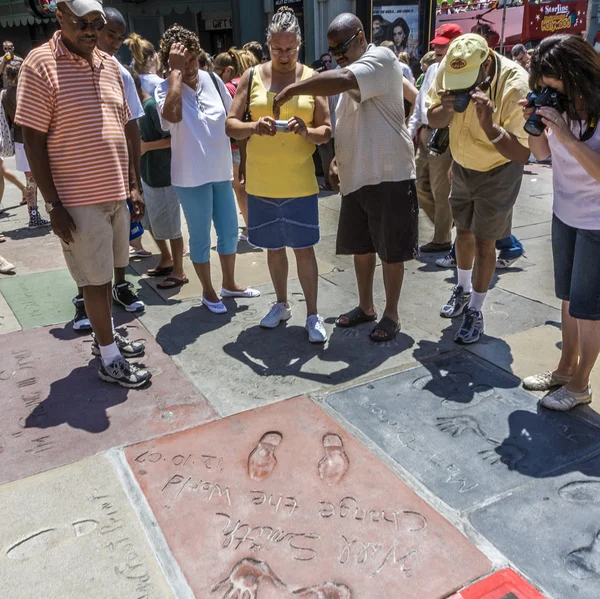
{"type": "Point", "coordinates": [343, 48]}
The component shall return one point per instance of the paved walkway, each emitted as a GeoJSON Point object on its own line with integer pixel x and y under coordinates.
{"type": "Point", "coordinates": [258, 466]}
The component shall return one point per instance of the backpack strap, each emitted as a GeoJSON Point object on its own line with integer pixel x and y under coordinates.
{"type": "Point", "coordinates": [247, 116]}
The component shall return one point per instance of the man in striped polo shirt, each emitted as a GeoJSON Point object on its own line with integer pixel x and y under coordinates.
{"type": "Point", "coordinates": [72, 109]}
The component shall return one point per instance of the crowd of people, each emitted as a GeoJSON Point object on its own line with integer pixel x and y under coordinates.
{"type": "Point", "coordinates": [211, 137]}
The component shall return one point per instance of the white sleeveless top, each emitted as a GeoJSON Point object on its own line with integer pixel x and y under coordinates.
{"type": "Point", "coordinates": [576, 193]}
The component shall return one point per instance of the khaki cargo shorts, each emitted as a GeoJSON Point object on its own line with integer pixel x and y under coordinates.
{"type": "Point", "coordinates": [100, 242]}
{"type": "Point", "coordinates": [482, 202]}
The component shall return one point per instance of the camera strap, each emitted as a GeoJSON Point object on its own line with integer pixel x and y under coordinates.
{"type": "Point", "coordinates": [590, 130]}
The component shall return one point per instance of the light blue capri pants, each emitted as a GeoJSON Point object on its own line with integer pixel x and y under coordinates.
{"type": "Point", "coordinates": [203, 205]}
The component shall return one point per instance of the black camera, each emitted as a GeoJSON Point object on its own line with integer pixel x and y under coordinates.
{"type": "Point", "coordinates": [547, 97]}
{"type": "Point", "coordinates": [439, 141]}
{"type": "Point", "coordinates": [461, 101]}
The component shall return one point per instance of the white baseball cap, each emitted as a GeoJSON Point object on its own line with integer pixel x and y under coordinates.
{"type": "Point", "coordinates": [80, 8]}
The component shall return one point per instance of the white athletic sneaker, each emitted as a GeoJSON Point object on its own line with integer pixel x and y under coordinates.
{"type": "Point", "coordinates": [545, 381]}
{"type": "Point", "coordinates": [277, 313]}
{"type": "Point", "coordinates": [316, 329]}
{"type": "Point", "coordinates": [562, 399]}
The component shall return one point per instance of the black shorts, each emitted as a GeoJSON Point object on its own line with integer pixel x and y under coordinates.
{"type": "Point", "coordinates": [382, 219]}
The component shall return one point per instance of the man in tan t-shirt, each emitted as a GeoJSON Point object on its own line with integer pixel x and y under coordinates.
{"type": "Point", "coordinates": [374, 166]}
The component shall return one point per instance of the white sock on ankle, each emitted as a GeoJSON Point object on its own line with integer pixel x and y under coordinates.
{"type": "Point", "coordinates": [464, 279]}
{"type": "Point", "coordinates": [477, 300]}
{"type": "Point", "coordinates": [109, 353]}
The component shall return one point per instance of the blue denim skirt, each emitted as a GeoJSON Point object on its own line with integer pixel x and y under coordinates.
{"type": "Point", "coordinates": [276, 223]}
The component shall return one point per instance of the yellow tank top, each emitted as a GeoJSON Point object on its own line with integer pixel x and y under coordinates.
{"type": "Point", "coordinates": [280, 166]}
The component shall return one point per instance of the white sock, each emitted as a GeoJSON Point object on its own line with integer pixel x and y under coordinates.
{"type": "Point", "coordinates": [477, 300]}
{"type": "Point", "coordinates": [110, 353]}
{"type": "Point", "coordinates": [464, 279]}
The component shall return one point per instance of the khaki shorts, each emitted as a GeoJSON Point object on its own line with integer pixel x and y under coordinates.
{"type": "Point", "coordinates": [100, 243]}
{"type": "Point", "coordinates": [482, 202]}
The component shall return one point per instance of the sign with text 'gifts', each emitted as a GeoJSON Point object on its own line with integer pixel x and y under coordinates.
{"type": "Point", "coordinates": [542, 20]}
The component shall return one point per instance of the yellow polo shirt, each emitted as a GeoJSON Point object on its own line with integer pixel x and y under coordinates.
{"type": "Point", "coordinates": [469, 145]}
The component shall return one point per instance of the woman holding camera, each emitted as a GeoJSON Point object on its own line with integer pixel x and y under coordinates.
{"type": "Point", "coordinates": [191, 106]}
{"type": "Point", "coordinates": [569, 65]}
{"type": "Point", "coordinates": [283, 208]}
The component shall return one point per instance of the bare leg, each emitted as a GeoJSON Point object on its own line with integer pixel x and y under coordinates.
{"type": "Point", "coordinates": [364, 268]}
{"type": "Point", "coordinates": [278, 268]}
{"type": "Point", "coordinates": [177, 254]}
{"type": "Point", "coordinates": [98, 308]}
{"type": "Point", "coordinates": [11, 176]}
{"type": "Point", "coordinates": [465, 249]}
{"type": "Point", "coordinates": [241, 195]}
{"type": "Point", "coordinates": [165, 255]}
{"type": "Point", "coordinates": [31, 191]}
{"type": "Point", "coordinates": [119, 275]}
{"type": "Point", "coordinates": [309, 278]}
{"type": "Point", "coordinates": [485, 264]}
{"type": "Point", "coordinates": [228, 270]}
{"type": "Point", "coordinates": [208, 291]}
{"type": "Point", "coordinates": [589, 348]}
{"type": "Point", "coordinates": [393, 276]}
{"type": "Point", "coordinates": [569, 358]}
{"type": "Point", "coordinates": [137, 243]}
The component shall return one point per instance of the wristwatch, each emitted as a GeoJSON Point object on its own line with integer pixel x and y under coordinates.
{"type": "Point", "coordinates": [50, 206]}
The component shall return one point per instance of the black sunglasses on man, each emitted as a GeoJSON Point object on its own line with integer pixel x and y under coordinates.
{"type": "Point", "coordinates": [343, 48]}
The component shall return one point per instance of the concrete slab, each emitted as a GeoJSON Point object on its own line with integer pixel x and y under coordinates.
{"type": "Point", "coordinates": [56, 410]}
{"type": "Point", "coordinates": [427, 288]}
{"type": "Point", "coordinates": [31, 251]}
{"type": "Point", "coordinates": [551, 531]}
{"type": "Point", "coordinates": [45, 298]}
{"type": "Point", "coordinates": [529, 352]}
{"type": "Point", "coordinates": [239, 366]}
{"type": "Point", "coordinates": [281, 506]}
{"type": "Point", "coordinates": [71, 533]}
{"type": "Point", "coordinates": [8, 320]}
{"type": "Point", "coordinates": [251, 270]}
{"type": "Point", "coordinates": [464, 428]}
{"type": "Point", "coordinates": [40, 299]}
{"type": "Point", "coordinates": [538, 284]}
{"type": "Point", "coordinates": [506, 584]}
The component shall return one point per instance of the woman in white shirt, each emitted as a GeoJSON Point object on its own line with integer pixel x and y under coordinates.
{"type": "Point", "coordinates": [145, 62]}
{"type": "Point", "coordinates": [569, 68]}
{"type": "Point", "coordinates": [193, 106]}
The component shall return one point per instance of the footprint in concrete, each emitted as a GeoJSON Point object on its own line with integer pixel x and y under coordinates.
{"type": "Point", "coordinates": [335, 463]}
{"type": "Point", "coordinates": [584, 491]}
{"type": "Point", "coordinates": [45, 540]}
{"type": "Point", "coordinates": [245, 579]}
{"type": "Point", "coordinates": [585, 562]}
{"type": "Point", "coordinates": [327, 590]}
{"type": "Point", "coordinates": [262, 460]}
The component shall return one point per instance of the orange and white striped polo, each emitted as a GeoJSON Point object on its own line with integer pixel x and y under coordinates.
{"type": "Point", "coordinates": [84, 112]}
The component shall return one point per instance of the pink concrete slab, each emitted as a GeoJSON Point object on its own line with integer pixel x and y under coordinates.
{"type": "Point", "coordinates": [56, 411]}
{"type": "Point", "coordinates": [281, 502]}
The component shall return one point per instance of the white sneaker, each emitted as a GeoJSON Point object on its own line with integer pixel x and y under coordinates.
{"type": "Point", "coordinates": [276, 314]}
{"type": "Point", "coordinates": [562, 399]}
{"type": "Point", "coordinates": [316, 329]}
{"type": "Point", "coordinates": [5, 266]}
{"type": "Point", "coordinates": [545, 381]}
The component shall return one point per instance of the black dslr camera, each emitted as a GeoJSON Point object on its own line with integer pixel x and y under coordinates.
{"type": "Point", "coordinates": [547, 97]}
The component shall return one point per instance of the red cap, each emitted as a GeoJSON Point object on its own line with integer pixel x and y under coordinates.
{"type": "Point", "coordinates": [446, 33]}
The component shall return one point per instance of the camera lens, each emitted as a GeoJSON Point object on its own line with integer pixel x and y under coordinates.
{"type": "Point", "coordinates": [534, 125]}
{"type": "Point", "coordinates": [461, 101]}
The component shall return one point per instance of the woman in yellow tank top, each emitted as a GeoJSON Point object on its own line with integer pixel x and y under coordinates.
{"type": "Point", "coordinates": [283, 208]}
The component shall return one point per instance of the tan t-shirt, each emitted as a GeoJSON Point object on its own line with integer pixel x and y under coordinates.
{"type": "Point", "coordinates": [371, 140]}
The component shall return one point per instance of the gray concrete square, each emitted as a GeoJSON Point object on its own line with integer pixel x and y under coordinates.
{"type": "Point", "coordinates": [464, 428]}
{"type": "Point", "coordinates": [551, 531]}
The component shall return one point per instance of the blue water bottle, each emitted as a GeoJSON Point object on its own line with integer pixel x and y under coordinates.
{"type": "Point", "coordinates": [135, 229]}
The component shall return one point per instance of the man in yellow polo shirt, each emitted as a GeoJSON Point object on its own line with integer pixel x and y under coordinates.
{"type": "Point", "coordinates": [476, 93]}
